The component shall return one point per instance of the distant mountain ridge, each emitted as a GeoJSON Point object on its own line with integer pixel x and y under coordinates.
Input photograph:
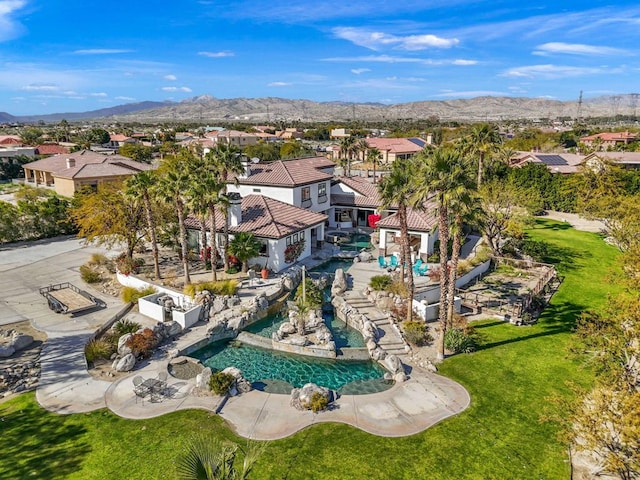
{"type": "Point", "coordinates": [206, 108]}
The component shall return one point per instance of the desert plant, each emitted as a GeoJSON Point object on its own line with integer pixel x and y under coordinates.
{"type": "Point", "coordinates": [124, 326]}
{"type": "Point", "coordinates": [464, 266]}
{"type": "Point", "coordinates": [98, 259]}
{"type": "Point", "coordinates": [132, 295]}
{"type": "Point", "coordinates": [143, 343]}
{"type": "Point", "coordinates": [398, 287]}
{"type": "Point", "coordinates": [318, 402]}
{"type": "Point", "coordinates": [98, 349]}
{"type": "Point", "coordinates": [221, 287]}
{"type": "Point", "coordinates": [416, 333]}
{"type": "Point", "coordinates": [313, 293]}
{"type": "Point", "coordinates": [456, 341]}
{"type": "Point", "coordinates": [220, 383]}
{"type": "Point", "coordinates": [380, 282]}
{"type": "Point", "coordinates": [89, 274]}
{"type": "Point", "coordinates": [128, 265]}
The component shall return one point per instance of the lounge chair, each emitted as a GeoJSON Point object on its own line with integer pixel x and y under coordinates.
{"type": "Point", "coordinates": [394, 261]}
{"type": "Point", "coordinates": [423, 269]}
{"type": "Point", "coordinates": [416, 266]}
{"type": "Point", "coordinates": [382, 262]}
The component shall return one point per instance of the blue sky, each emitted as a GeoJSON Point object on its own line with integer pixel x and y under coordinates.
{"type": "Point", "coordinates": [71, 55]}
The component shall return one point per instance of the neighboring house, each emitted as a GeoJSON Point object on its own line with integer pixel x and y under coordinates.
{"type": "Point", "coordinates": [607, 140]}
{"type": "Point", "coordinates": [287, 233]}
{"type": "Point", "coordinates": [290, 133]}
{"type": "Point", "coordinates": [629, 160]}
{"type": "Point", "coordinates": [391, 149]}
{"type": "Point", "coordinates": [422, 226]}
{"type": "Point", "coordinates": [303, 182]}
{"type": "Point", "coordinates": [118, 140]}
{"type": "Point", "coordinates": [9, 141]}
{"type": "Point", "coordinates": [48, 149]}
{"type": "Point", "coordinates": [8, 154]}
{"type": "Point", "coordinates": [67, 173]}
{"type": "Point", "coordinates": [353, 199]}
{"type": "Point", "coordinates": [339, 133]}
{"type": "Point", "coordinates": [563, 163]}
{"type": "Point", "coordinates": [233, 137]}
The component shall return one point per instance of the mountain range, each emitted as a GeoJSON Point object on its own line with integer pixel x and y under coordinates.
{"type": "Point", "coordinates": [272, 109]}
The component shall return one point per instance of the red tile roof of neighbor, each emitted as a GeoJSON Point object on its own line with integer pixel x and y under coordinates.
{"type": "Point", "coordinates": [10, 140]}
{"type": "Point", "coordinates": [51, 149]}
{"type": "Point", "coordinates": [417, 220]}
{"type": "Point", "coordinates": [289, 173]}
{"type": "Point", "coordinates": [610, 136]}
{"type": "Point", "coordinates": [118, 138]}
{"type": "Point", "coordinates": [393, 145]}
{"type": "Point", "coordinates": [266, 217]}
{"type": "Point", "coordinates": [88, 164]}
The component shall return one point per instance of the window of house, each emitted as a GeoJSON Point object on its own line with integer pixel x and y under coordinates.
{"type": "Point", "coordinates": [288, 241]}
{"type": "Point", "coordinates": [322, 189]}
{"type": "Point", "coordinates": [264, 249]}
{"type": "Point", "coordinates": [256, 190]}
{"type": "Point", "coordinates": [306, 193]}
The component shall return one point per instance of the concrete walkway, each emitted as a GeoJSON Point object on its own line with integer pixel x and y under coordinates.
{"type": "Point", "coordinates": [66, 386]}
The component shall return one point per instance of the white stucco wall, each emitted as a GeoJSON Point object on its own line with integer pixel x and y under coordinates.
{"type": "Point", "coordinates": [285, 195]}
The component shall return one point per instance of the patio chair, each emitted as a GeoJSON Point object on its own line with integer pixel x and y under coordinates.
{"type": "Point", "coordinates": [162, 377]}
{"type": "Point", "coordinates": [140, 390]}
{"type": "Point", "coordinates": [394, 261]}
{"type": "Point", "coordinates": [423, 269]}
{"type": "Point", "coordinates": [382, 262]}
{"type": "Point", "coordinates": [416, 266]}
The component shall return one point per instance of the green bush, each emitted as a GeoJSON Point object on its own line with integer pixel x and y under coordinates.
{"type": "Point", "coordinates": [128, 265]}
{"type": "Point", "coordinates": [380, 282]}
{"type": "Point", "coordinates": [221, 287]}
{"type": "Point", "coordinates": [232, 270]}
{"type": "Point", "coordinates": [220, 383]}
{"type": "Point", "coordinates": [537, 250]}
{"type": "Point", "coordinates": [131, 295]}
{"type": "Point", "coordinates": [456, 341]}
{"type": "Point", "coordinates": [89, 275]}
{"type": "Point", "coordinates": [433, 258]}
{"type": "Point", "coordinates": [124, 326]}
{"type": "Point", "coordinates": [318, 402]}
{"type": "Point", "coordinates": [98, 259]}
{"type": "Point", "coordinates": [98, 349]}
{"type": "Point", "coordinates": [416, 333]}
{"type": "Point", "coordinates": [313, 293]}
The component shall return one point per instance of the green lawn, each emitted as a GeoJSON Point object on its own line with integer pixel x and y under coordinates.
{"type": "Point", "coordinates": [498, 437]}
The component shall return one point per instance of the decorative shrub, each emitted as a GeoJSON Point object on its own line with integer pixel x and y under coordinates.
{"type": "Point", "coordinates": [98, 259]}
{"type": "Point", "coordinates": [318, 402]}
{"type": "Point", "coordinates": [127, 265]}
{"type": "Point", "coordinates": [313, 294]}
{"type": "Point", "coordinates": [131, 295]}
{"type": "Point", "coordinates": [456, 341]}
{"type": "Point", "coordinates": [434, 273]}
{"type": "Point", "coordinates": [433, 258]}
{"type": "Point", "coordinates": [399, 311]}
{"type": "Point", "coordinates": [98, 349]}
{"type": "Point", "coordinates": [416, 333]}
{"type": "Point", "coordinates": [221, 287]}
{"type": "Point", "coordinates": [124, 326]}
{"type": "Point", "coordinates": [233, 269]}
{"type": "Point", "coordinates": [293, 251]}
{"type": "Point", "coordinates": [380, 282]}
{"type": "Point", "coordinates": [464, 266]}
{"type": "Point", "coordinates": [537, 250]}
{"type": "Point", "coordinates": [142, 344]}
{"type": "Point", "coordinates": [220, 383]}
{"type": "Point", "coordinates": [398, 287]}
{"type": "Point", "coordinates": [89, 275]}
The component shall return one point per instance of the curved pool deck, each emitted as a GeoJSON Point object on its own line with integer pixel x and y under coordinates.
{"type": "Point", "coordinates": [405, 409]}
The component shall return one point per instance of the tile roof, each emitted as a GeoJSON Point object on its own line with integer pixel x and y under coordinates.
{"type": "Point", "coordinates": [266, 217]}
{"type": "Point", "coordinates": [417, 220]}
{"type": "Point", "coordinates": [119, 138]}
{"type": "Point", "coordinates": [51, 149]}
{"type": "Point", "coordinates": [368, 193]}
{"type": "Point", "coordinates": [288, 173]}
{"type": "Point", "coordinates": [610, 136]}
{"type": "Point", "coordinates": [618, 157]}
{"type": "Point", "coordinates": [394, 145]}
{"type": "Point", "coordinates": [88, 164]}
{"type": "Point", "coordinates": [555, 162]}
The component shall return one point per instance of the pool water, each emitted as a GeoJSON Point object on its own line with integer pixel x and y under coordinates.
{"type": "Point", "coordinates": [271, 368]}
{"type": "Point", "coordinates": [358, 241]}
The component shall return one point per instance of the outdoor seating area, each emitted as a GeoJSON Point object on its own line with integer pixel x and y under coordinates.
{"type": "Point", "coordinates": [153, 388]}
{"type": "Point", "coordinates": [419, 268]}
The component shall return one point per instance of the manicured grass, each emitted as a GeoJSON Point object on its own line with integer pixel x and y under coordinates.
{"type": "Point", "coordinates": [499, 437]}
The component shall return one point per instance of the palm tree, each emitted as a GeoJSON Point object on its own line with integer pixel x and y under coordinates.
{"type": "Point", "coordinates": [245, 246]}
{"type": "Point", "coordinates": [174, 180]}
{"type": "Point", "coordinates": [225, 160]}
{"type": "Point", "coordinates": [210, 459]}
{"type": "Point", "coordinates": [362, 147]}
{"type": "Point", "coordinates": [373, 156]}
{"type": "Point", "coordinates": [347, 148]}
{"type": "Point", "coordinates": [397, 189]}
{"type": "Point", "coordinates": [482, 140]}
{"type": "Point", "coordinates": [139, 187]}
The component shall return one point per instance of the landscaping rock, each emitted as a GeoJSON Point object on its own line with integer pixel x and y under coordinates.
{"type": "Point", "coordinates": [172, 328]}
{"type": "Point", "coordinates": [339, 285]}
{"type": "Point", "coordinates": [6, 351]}
{"type": "Point", "coordinates": [393, 364]}
{"type": "Point", "coordinates": [301, 397]}
{"type": "Point", "coordinates": [202, 379]}
{"type": "Point", "coordinates": [21, 341]}
{"type": "Point", "coordinates": [126, 363]}
{"type": "Point", "coordinates": [122, 348]}
{"type": "Point", "coordinates": [242, 385]}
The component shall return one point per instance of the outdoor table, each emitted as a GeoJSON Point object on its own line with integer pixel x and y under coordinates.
{"type": "Point", "coordinates": [153, 385]}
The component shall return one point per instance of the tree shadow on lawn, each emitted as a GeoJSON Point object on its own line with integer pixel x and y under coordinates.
{"type": "Point", "coordinates": [39, 444]}
{"type": "Point", "coordinates": [559, 318]}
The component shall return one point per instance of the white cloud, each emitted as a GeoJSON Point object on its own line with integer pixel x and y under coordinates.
{"type": "Point", "coordinates": [217, 54]}
{"type": "Point", "coordinates": [395, 59]}
{"type": "Point", "coordinates": [464, 62]}
{"type": "Point", "coordinates": [40, 88]}
{"type": "Point", "coordinates": [171, 78]}
{"type": "Point", "coordinates": [101, 51]}
{"type": "Point", "coordinates": [379, 40]}
{"type": "Point", "coordinates": [358, 71]}
{"type": "Point", "coordinates": [471, 94]}
{"type": "Point", "coordinates": [576, 49]}
{"type": "Point", "coordinates": [125, 99]}
{"type": "Point", "coordinates": [98, 94]}
{"type": "Point", "coordinates": [279, 84]}
{"type": "Point", "coordinates": [9, 27]}
{"type": "Point", "coordinates": [550, 71]}
{"type": "Point", "coordinates": [176, 89]}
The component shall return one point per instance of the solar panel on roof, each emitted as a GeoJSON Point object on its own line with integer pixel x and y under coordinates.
{"type": "Point", "coordinates": [552, 160]}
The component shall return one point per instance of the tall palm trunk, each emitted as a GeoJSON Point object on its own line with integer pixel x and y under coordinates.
{"type": "Point", "coordinates": [374, 171]}
{"type": "Point", "coordinates": [480, 168]}
{"type": "Point", "coordinates": [203, 237]}
{"type": "Point", "coordinates": [214, 246]}
{"type": "Point", "coordinates": [183, 240]}
{"type": "Point", "coordinates": [152, 233]}
{"type": "Point", "coordinates": [443, 234]}
{"type": "Point", "coordinates": [453, 274]}
{"type": "Point", "coordinates": [406, 258]}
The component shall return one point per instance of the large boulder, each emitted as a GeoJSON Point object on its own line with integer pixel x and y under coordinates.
{"type": "Point", "coordinates": [393, 364]}
{"type": "Point", "coordinates": [172, 328]}
{"type": "Point", "coordinates": [122, 347]}
{"type": "Point", "coordinates": [6, 351]}
{"type": "Point", "coordinates": [202, 379]}
{"type": "Point", "coordinates": [301, 397]}
{"type": "Point", "coordinates": [242, 384]}
{"type": "Point", "coordinates": [286, 328]}
{"type": "Point", "coordinates": [365, 256]}
{"type": "Point", "coordinates": [126, 363]}
{"type": "Point", "coordinates": [339, 285]}
{"type": "Point", "coordinates": [20, 341]}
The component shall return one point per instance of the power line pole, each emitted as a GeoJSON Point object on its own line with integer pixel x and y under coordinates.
{"type": "Point", "coordinates": [579, 113]}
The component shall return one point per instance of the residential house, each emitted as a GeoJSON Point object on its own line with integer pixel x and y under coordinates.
{"type": "Point", "coordinates": [233, 137]}
{"type": "Point", "coordinates": [10, 141]}
{"type": "Point", "coordinates": [390, 148]}
{"type": "Point", "coordinates": [118, 140]}
{"type": "Point", "coordinates": [608, 140]}
{"type": "Point", "coordinates": [49, 149]}
{"type": "Point", "coordinates": [562, 163]}
{"type": "Point", "coordinates": [628, 160]}
{"type": "Point", "coordinates": [287, 233]}
{"type": "Point", "coordinates": [67, 173]}
{"type": "Point", "coordinates": [353, 199]}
